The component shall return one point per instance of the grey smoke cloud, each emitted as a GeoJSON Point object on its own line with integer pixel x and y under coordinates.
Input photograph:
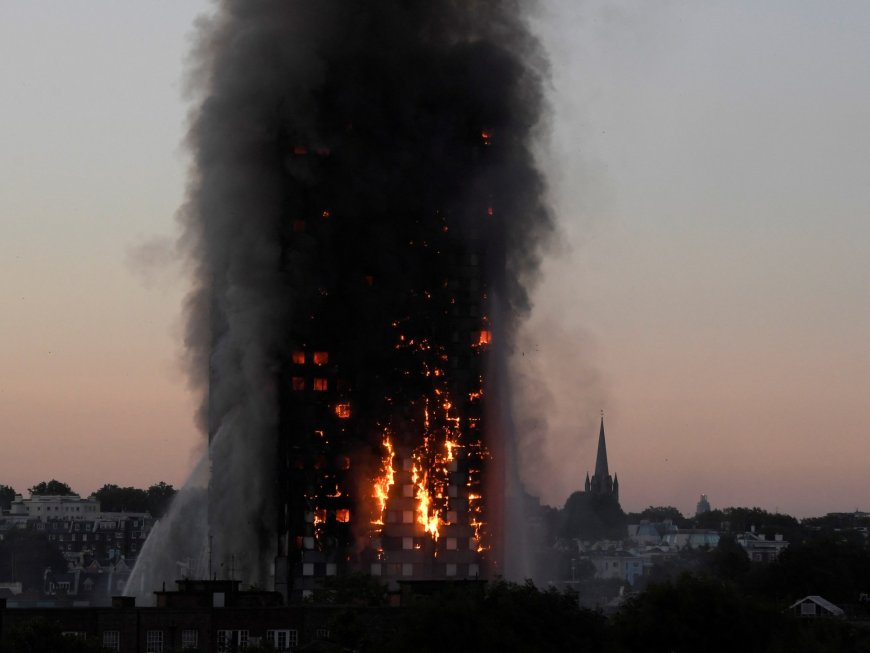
{"type": "Point", "coordinates": [154, 261]}
{"type": "Point", "coordinates": [559, 393]}
{"type": "Point", "coordinates": [366, 109]}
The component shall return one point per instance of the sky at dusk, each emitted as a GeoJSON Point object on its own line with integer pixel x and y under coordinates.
{"type": "Point", "coordinates": [709, 164]}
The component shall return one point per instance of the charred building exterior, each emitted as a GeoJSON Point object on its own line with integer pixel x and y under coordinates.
{"type": "Point", "coordinates": [364, 219]}
{"type": "Point", "coordinates": [382, 446]}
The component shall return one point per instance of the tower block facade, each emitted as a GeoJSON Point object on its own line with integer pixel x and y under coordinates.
{"type": "Point", "coordinates": [382, 446]}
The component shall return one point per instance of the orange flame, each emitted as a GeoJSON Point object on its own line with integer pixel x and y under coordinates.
{"type": "Point", "coordinates": [450, 446]}
{"type": "Point", "coordinates": [445, 434]}
{"type": "Point", "coordinates": [385, 481]}
{"type": "Point", "coordinates": [430, 522]}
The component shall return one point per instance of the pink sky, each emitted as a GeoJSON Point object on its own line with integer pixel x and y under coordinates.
{"type": "Point", "coordinates": [708, 164]}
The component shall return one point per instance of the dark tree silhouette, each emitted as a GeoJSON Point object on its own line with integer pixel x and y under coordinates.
{"type": "Point", "coordinates": [51, 487]}
{"type": "Point", "coordinates": [504, 618]}
{"type": "Point", "coordinates": [728, 560]}
{"type": "Point", "coordinates": [25, 556]}
{"type": "Point", "coordinates": [741, 520]}
{"type": "Point", "coordinates": [7, 495]}
{"type": "Point", "coordinates": [154, 500]}
{"type": "Point", "coordinates": [592, 517]}
{"type": "Point", "coordinates": [159, 497]}
{"type": "Point", "coordinates": [122, 499]}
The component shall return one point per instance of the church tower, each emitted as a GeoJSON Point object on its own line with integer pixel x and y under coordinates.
{"type": "Point", "coordinates": [602, 483]}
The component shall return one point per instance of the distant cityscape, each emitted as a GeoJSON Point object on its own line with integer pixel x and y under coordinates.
{"type": "Point", "coordinates": [61, 552]}
{"type": "Point", "coordinates": [58, 548]}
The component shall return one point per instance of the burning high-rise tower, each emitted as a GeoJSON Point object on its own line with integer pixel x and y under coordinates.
{"type": "Point", "coordinates": [364, 218]}
{"type": "Point", "coordinates": [382, 427]}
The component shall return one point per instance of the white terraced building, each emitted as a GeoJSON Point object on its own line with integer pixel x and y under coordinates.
{"type": "Point", "coordinates": [54, 506]}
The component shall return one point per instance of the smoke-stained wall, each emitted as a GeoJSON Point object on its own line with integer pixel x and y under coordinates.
{"type": "Point", "coordinates": [348, 155]}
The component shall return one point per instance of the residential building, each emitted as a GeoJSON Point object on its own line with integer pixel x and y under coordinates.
{"type": "Point", "coordinates": [815, 606]}
{"type": "Point", "coordinates": [761, 549]}
{"type": "Point", "coordinates": [99, 548]}
{"type": "Point", "coordinates": [620, 564]}
{"type": "Point", "coordinates": [691, 538]}
{"type": "Point", "coordinates": [201, 615]}
{"type": "Point", "coordinates": [53, 506]}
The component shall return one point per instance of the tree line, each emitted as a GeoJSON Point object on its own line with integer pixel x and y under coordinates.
{"type": "Point", "coordinates": [113, 498]}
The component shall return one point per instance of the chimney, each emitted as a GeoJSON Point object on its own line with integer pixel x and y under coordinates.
{"type": "Point", "coordinates": [123, 601]}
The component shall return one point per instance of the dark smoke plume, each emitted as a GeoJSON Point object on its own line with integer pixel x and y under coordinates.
{"type": "Point", "coordinates": [365, 109]}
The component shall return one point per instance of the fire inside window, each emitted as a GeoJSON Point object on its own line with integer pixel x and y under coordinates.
{"type": "Point", "coordinates": [326, 213]}
{"type": "Point", "coordinates": [321, 357]}
{"type": "Point", "coordinates": [299, 357]}
{"type": "Point", "coordinates": [342, 515]}
{"type": "Point", "coordinates": [320, 385]}
{"type": "Point", "coordinates": [485, 337]}
{"type": "Point", "coordinates": [298, 383]}
{"type": "Point", "coordinates": [342, 411]}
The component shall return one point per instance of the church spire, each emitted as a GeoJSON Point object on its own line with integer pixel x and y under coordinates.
{"type": "Point", "coordinates": [601, 470]}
